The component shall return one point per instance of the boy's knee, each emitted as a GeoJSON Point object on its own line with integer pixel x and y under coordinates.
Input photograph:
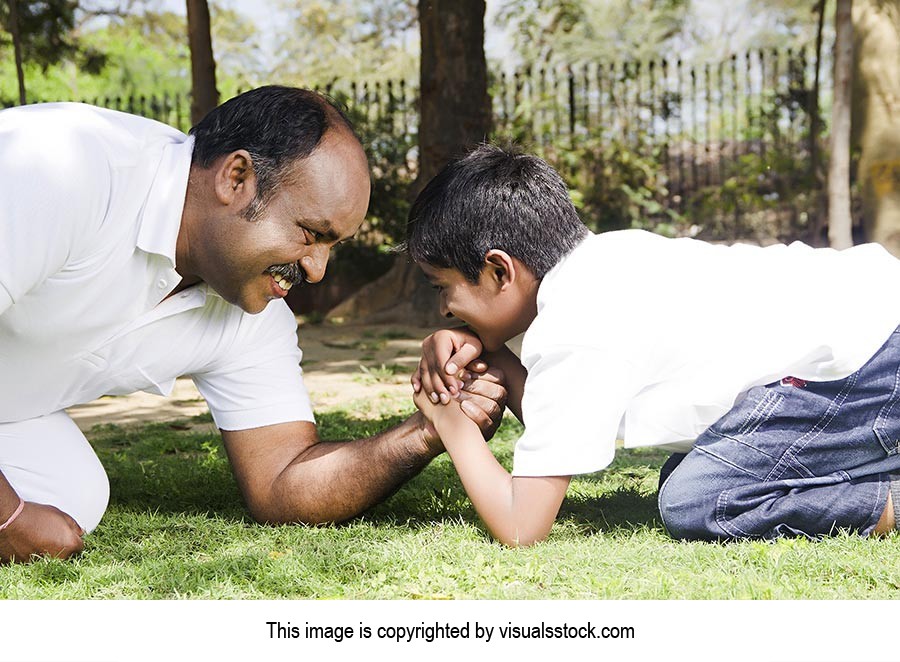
{"type": "Point", "coordinates": [688, 506]}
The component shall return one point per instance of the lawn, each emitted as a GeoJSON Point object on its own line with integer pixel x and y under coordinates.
{"type": "Point", "coordinates": [177, 528]}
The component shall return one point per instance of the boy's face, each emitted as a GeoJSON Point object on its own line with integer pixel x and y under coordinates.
{"type": "Point", "coordinates": [493, 312]}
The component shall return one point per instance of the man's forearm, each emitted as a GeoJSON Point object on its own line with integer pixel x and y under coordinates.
{"type": "Point", "coordinates": [515, 375]}
{"type": "Point", "coordinates": [334, 481]}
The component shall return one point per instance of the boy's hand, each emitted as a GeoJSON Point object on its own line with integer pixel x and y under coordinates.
{"type": "Point", "coordinates": [440, 415]}
{"type": "Point", "coordinates": [446, 356]}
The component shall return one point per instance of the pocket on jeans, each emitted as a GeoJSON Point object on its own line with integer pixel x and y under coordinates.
{"type": "Point", "coordinates": [887, 423]}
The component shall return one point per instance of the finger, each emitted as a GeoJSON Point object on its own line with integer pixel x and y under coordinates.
{"type": "Point", "coordinates": [477, 414]}
{"type": "Point", "coordinates": [478, 366]}
{"type": "Point", "coordinates": [416, 378]}
{"type": "Point", "coordinates": [491, 403]}
{"type": "Point", "coordinates": [492, 376]}
{"type": "Point", "coordinates": [463, 356]}
{"type": "Point", "coordinates": [432, 388]}
{"type": "Point", "coordinates": [435, 353]}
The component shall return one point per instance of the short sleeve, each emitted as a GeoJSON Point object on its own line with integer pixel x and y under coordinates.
{"type": "Point", "coordinates": [573, 403]}
{"type": "Point", "coordinates": [259, 382]}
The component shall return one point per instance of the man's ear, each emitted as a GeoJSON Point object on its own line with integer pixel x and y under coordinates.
{"type": "Point", "coordinates": [235, 181]}
{"type": "Point", "coordinates": [501, 268]}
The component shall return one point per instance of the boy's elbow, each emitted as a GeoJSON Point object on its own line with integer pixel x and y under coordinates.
{"type": "Point", "coordinates": [520, 538]}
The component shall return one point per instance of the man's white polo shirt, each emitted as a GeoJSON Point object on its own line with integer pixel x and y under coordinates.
{"type": "Point", "coordinates": [90, 206]}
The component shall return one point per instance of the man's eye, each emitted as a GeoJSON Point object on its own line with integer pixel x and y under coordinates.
{"type": "Point", "coordinates": [311, 235]}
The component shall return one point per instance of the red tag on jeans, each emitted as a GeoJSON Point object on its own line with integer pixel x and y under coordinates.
{"type": "Point", "coordinates": [793, 381]}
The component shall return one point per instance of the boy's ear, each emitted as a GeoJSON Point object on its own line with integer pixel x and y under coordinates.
{"type": "Point", "coordinates": [501, 268]}
{"type": "Point", "coordinates": [235, 182]}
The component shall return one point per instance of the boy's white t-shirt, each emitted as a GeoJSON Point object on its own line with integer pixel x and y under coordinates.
{"type": "Point", "coordinates": [651, 339]}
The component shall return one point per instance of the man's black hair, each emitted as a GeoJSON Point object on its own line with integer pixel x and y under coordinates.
{"type": "Point", "coordinates": [277, 125]}
{"type": "Point", "coordinates": [494, 198]}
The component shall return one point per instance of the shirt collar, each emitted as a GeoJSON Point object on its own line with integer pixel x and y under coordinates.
{"type": "Point", "coordinates": [161, 215]}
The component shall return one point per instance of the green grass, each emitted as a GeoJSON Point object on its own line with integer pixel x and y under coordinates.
{"type": "Point", "coordinates": [383, 374]}
{"type": "Point", "coordinates": [176, 528]}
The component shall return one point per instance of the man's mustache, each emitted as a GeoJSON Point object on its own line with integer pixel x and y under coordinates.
{"type": "Point", "coordinates": [292, 272]}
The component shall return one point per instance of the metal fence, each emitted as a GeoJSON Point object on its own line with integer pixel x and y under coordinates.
{"type": "Point", "coordinates": [699, 121]}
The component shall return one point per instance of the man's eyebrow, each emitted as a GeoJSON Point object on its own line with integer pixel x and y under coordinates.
{"type": "Point", "coordinates": [326, 229]}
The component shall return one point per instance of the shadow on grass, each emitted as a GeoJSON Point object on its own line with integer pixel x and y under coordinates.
{"type": "Point", "coordinates": [170, 468]}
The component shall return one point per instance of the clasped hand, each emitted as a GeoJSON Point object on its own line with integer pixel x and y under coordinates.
{"type": "Point", "coordinates": [450, 370]}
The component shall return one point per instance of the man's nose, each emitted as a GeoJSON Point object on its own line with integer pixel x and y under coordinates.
{"type": "Point", "coordinates": [314, 263]}
{"type": "Point", "coordinates": [445, 312]}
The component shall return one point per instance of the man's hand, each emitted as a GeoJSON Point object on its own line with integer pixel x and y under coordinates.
{"type": "Point", "coordinates": [447, 355]}
{"type": "Point", "coordinates": [42, 531]}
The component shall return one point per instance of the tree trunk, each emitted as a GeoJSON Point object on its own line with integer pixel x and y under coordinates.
{"type": "Point", "coordinates": [17, 48]}
{"type": "Point", "coordinates": [876, 117]}
{"type": "Point", "coordinates": [454, 115]}
{"type": "Point", "coordinates": [204, 95]}
{"type": "Point", "coordinates": [455, 108]}
{"type": "Point", "coordinates": [815, 129]}
{"type": "Point", "coordinates": [840, 219]}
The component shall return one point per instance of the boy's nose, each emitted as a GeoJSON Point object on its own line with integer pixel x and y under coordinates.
{"type": "Point", "coordinates": [445, 312]}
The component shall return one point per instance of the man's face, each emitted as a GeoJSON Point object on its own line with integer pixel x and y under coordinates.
{"type": "Point", "coordinates": [490, 316]}
{"type": "Point", "coordinates": [322, 202]}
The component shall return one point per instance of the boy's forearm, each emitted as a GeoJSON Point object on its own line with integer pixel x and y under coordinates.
{"type": "Point", "coordinates": [512, 513]}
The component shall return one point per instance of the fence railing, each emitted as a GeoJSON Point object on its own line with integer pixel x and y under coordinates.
{"type": "Point", "coordinates": [701, 121]}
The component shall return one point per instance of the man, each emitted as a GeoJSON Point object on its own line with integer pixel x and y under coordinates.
{"type": "Point", "coordinates": [131, 254]}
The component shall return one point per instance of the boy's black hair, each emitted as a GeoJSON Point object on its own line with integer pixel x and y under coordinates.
{"type": "Point", "coordinates": [494, 198]}
{"type": "Point", "coordinates": [277, 125]}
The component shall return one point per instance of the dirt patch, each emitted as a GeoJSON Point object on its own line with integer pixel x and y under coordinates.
{"type": "Point", "coordinates": [352, 366]}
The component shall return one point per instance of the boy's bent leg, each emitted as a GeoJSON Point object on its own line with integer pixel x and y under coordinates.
{"type": "Point", "coordinates": [47, 460]}
{"type": "Point", "coordinates": [794, 458]}
{"type": "Point", "coordinates": [709, 498]}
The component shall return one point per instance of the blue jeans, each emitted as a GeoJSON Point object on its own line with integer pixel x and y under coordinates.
{"type": "Point", "coordinates": [792, 459]}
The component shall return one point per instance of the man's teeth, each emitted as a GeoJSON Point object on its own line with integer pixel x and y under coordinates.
{"type": "Point", "coordinates": [283, 284]}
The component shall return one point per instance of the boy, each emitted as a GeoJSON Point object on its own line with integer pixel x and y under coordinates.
{"type": "Point", "coordinates": [776, 370]}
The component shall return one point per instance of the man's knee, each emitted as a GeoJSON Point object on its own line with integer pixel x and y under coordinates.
{"type": "Point", "coordinates": [90, 504]}
{"type": "Point", "coordinates": [47, 460]}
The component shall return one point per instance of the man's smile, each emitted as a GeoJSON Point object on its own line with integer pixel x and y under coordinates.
{"type": "Point", "coordinates": [286, 275]}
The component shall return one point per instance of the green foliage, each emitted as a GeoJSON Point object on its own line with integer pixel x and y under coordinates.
{"type": "Point", "coordinates": [138, 53]}
{"type": "Point", "coordinates": [767, 197]}
{"type": "Point", "coordinates": [619, 186]}
{"type": "Point", "coordinates": [596, 30]}
{"type": "Point", "coordinates": [45, 28]}
{"type": "Point", "coordinates": [327, 40]}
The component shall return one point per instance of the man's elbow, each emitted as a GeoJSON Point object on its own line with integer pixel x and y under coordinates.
{"type": "Point", "coordinates": [276, 514]}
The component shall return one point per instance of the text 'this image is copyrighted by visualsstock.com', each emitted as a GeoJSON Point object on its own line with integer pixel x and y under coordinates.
{"type": "Point", "coordinates": [436, 631]}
